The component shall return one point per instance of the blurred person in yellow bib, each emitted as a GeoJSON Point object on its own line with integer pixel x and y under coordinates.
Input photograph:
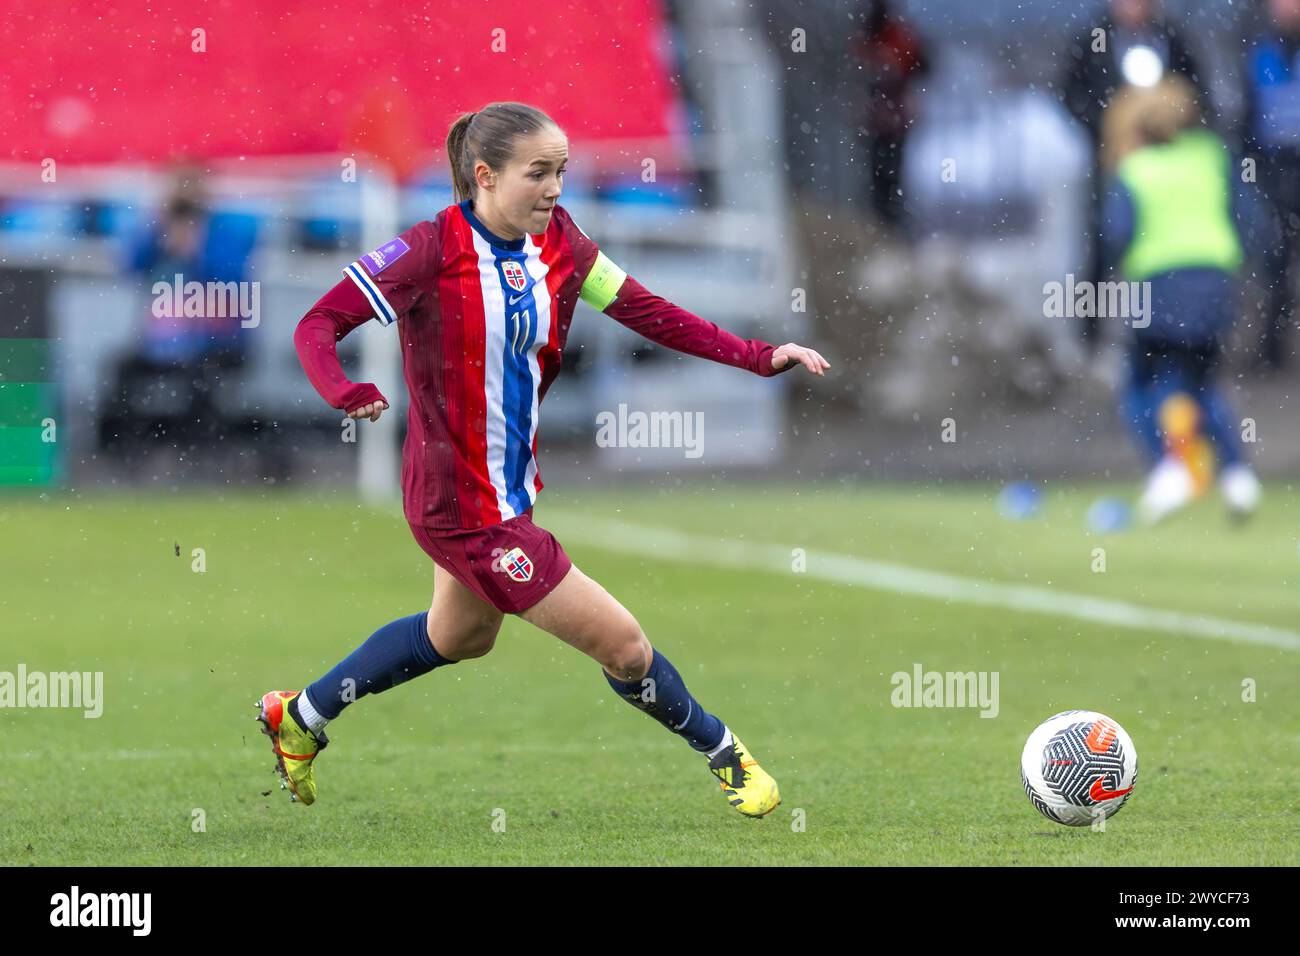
{"type": "Point", "coordinates": [1173, 227]}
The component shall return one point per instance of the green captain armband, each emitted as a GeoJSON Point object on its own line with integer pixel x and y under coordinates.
{"type": "Point", "coordinates": [602, 283]}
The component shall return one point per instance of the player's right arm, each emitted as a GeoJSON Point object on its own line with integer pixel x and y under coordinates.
{"type": "Point", "coordinates": [383, 285]}
{"type": "Point", "coordinates": [339, 311]}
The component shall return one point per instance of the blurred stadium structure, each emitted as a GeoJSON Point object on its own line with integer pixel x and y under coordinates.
{"type": "Point", "coordinates": [761, 189]}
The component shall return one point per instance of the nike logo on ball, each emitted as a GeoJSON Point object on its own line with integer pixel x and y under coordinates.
{"type": "Point", "coordinates": [1099, 791]}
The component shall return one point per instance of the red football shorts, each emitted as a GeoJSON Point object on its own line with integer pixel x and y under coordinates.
{"type": "Point", "coordinates": [511, 565]}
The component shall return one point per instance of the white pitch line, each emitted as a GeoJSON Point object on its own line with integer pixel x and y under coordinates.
{"type": "Point", "coordinates": [673, 545]}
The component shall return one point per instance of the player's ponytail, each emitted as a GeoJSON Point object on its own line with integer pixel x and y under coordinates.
{"type": "Point", "coordinates": [460, 181]}
{"type": "Point", "coordinates": [488, 135]}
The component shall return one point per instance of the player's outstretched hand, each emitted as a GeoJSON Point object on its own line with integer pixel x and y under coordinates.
{"type": "Point", "coordinates": [811, 360]}
{"type": "Point", "coordinates": [371, 411]}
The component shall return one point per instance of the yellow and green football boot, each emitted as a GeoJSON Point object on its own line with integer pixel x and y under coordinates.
{"type": "Point", "coordinates": [295, 746]}
{"type": "Point", "coordinates": [748, 787]}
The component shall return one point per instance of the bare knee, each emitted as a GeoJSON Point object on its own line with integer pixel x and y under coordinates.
{"type": "Point", "coordinates": [477, 642]}
{"type": "Point", "coordinates": [627, 657]}
{"type": "Point", "coordinates": [468, 641]}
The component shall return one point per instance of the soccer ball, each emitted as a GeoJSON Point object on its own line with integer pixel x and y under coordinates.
{"type": "Point", "coordinates": [1078, 767]}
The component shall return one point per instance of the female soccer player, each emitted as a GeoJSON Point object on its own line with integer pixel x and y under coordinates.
{"type": "Point", "coordinates": [482, 297]}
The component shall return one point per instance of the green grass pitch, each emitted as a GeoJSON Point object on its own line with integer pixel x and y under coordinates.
{"type": "Point", "coordinates": [532, 737]}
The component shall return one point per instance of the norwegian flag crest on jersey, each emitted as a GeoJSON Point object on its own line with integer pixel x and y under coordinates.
{"type": "Point", "coordinates": [514, 273]}
{"type": "Point", "coordinates": [517, 565]}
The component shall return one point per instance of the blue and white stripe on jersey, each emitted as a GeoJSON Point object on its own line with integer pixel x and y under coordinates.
{"type": "Point", "coordinates": [383, 311]}
{"type": "Point", "coordinates": [514, 332]}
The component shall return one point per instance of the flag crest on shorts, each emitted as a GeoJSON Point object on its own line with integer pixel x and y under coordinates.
{"type": "Point", "coordinates": [517, 565]}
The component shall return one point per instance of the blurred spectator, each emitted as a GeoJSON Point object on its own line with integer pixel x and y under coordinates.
{"type": "Point", "coordinates": [1272, 135]}
{"type": "Point", "coordinates": [1139, 48]}
{"type": "Point", "coordinates": [1178, 181]}
{"type": "Point", "coordinates": [822, 101]}
{"type": "Point", "coordinates": [894, 57]}
{"type": "Point", "coordinates": [821, 95]}
{"type": "Point", "coordinates": [184, 243]}
{"type": "Point", "coordinates": [167, 385]}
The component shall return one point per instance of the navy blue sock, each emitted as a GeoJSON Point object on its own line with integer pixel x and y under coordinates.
{"type": "Point", "coordinates": [1138, 409]}
{"type": "Point", "coordinates": [1221, 425]}
{"type": "Point", "coordinates": [663, 695]}
{"type": "Point", "coordinates": [393, 654]}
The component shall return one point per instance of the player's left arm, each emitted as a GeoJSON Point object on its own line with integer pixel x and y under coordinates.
{"type": "Point", "coordinates": [609, 289]}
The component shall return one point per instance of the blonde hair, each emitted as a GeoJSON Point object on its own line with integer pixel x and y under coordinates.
{"type": "Point", "coordinates": [1140, 116]}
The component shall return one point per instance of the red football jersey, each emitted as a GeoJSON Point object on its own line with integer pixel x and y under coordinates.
{"type": "Point", "coordinates": [483, 323]}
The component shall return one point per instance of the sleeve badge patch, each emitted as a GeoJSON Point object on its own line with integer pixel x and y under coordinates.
{"type": "Point", "coordinates": [383, 257]}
